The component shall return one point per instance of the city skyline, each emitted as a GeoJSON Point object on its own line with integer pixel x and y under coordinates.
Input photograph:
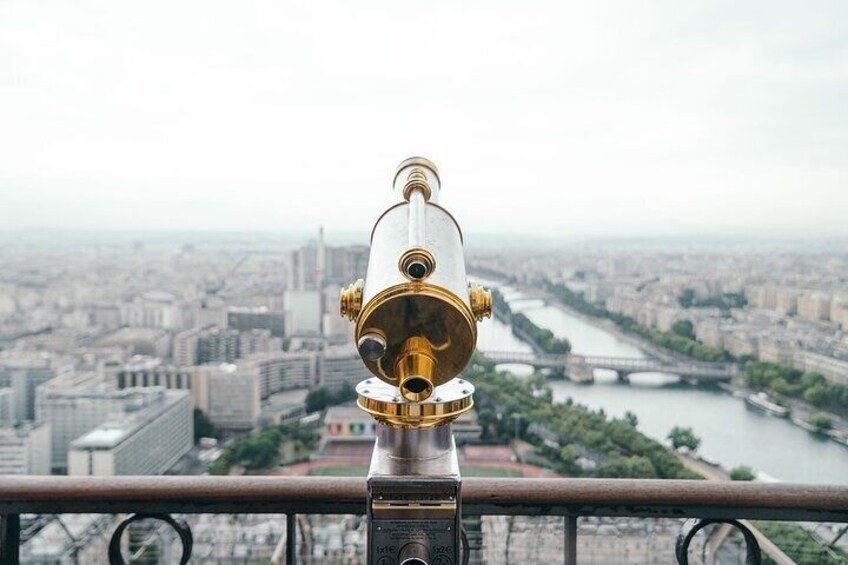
{"type": "Point", "coordinates": [235, 349]}
{"type": "Point", "coordinates": [566, 120]}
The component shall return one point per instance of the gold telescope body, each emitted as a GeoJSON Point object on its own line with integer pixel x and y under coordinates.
{"type": "Point", "coordinates": [416, 312]}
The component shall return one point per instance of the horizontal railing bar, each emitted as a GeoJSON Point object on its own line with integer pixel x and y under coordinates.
{"type": "Point", "coordinates": [340, 495]}
{"type": "Point", "coordinates": [658, 498]}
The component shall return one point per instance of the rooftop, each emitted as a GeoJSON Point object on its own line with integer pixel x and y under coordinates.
{"type": "Point", "coordinates": [347, 413]}
{"type": "Point", "coordinates": [142, 405]}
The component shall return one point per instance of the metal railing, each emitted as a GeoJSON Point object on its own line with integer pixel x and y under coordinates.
{"type": "Point", "coordinates": [161, 497]}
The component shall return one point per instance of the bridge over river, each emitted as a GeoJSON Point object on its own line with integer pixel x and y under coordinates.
{"type": "Point", "coordinates": [579, 368]}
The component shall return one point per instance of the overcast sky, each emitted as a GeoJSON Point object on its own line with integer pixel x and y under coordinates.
{"type": "Point", "coordinates": [614, 118]}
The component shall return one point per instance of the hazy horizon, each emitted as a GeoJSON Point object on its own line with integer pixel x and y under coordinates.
{"type": "Point", "coordinates": [474, 241]}
{"type": "Point", "coordinates": [607, 119]}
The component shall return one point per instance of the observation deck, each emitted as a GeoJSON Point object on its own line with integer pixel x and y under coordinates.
{"type": "Point", "coordinates": [564, 501]}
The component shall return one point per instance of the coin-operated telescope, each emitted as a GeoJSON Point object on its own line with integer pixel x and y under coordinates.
{"type": "Point", "coordinates": [416, 317]}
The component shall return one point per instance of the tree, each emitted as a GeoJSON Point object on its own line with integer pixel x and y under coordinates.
{"type": "Point", "coordinates": [317, 399]}
{"type": "Point", "coordinates": [816, 395]}
{"type": "Point", "coordinates": [742, 473]}
{"type": "Point", "coordinates": [203, 427]}
{"type": "Point", "coordinates": [687, 298]}
{"type": "Point", "coordinates": [821, 421]}
{"type": "Point", "coordinates": [631, 418]}
{"type": "Point", "coordinates": [345, 393]}
{"type": "Point", "coordinates": [683, 328]}
{"type": "Point", "coordinates": [683, 437]}
{"type": "Point", "coordinates": [567, 463]}
{"type": "Point", "coordinates": [628, 467]}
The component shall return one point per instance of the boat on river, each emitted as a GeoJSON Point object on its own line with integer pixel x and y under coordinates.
{"type": "Point", "coordinates": [762, 401]}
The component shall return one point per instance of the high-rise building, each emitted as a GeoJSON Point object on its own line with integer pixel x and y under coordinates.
{"type": "Point", "coordinates": [23, 374]}
{"type": "Point", "coordinates": [786, 300]}
{"type": "Point", "coordinates": [839, 312]}
{"type": "Point", "coordinates": [335, 326]}
{"type": "Point", "coordinates": [340, 366]}
{"type": "Point", "coordinates": [217, 345]}
{"type": "Point", "coordinates": [302, 273]}
{"type": "Point", "coordinates": [157, 309]}
{"type": "Point", "coordinates": [185, 347]}
{"type": "Point", "coordinates": [211, 311]}
{"type": "Point", "coordinates": [25, 449]}
{"type": "Point", "coordinates": [283, 370]}
{"type": "Point", "coordinates": [222, 345]}
{"type": "Point", "coordinates": [345, 264]}
{"type": "Point", "coordinates": [834, 370]}
{"type": "Point", "coordinates": [155, 342]}
{"type": "Point", "coordinates": [234, 398]}
{"type": "Point", "coordinates": [814, 306]}
{"type": "Point", "coordinates": [155, 431]}
{"type": "Point", "coordinates": [251, 342]}
{"type": "Point", "coordinates": [256, 318]}
{"type": "Point", "coordinates": [311, 270]}
{"type": "Point", "coordinates": [303, 312]}
{"type": "Point", "coordinates": [7, 407]}
{"type": "Point", "coordinates": [149, 371]}
{"type": "Point", "coordinates": [340, 265]}
{"type": "Point", "coordinates": [74, 405]}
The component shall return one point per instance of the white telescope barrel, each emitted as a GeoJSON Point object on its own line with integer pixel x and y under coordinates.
{"type": "Point", "coordinates": [415, 311]}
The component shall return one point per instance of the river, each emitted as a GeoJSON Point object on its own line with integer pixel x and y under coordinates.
{"type": "Point", "coordinates": [731, 432]}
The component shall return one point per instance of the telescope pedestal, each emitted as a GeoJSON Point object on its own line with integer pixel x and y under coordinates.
{"type": "Point", "coordinates": [414, 511]}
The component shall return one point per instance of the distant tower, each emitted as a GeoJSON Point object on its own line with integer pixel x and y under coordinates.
{"type": "Point", "coordinates": [320, 269]}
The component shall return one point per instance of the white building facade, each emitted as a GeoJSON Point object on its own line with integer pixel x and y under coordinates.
{"type": "Point", "coordinates": [147, 441]}
{"type": "Point", "coordinates": [25, 450]}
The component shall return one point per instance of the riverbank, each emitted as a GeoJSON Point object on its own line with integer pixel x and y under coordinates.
{"type": "Point", "coordinates": [732, 432]}
{"type": "Point", "coordinates": [650, 349]}
{"type": "Point", "coordinates": [801, 412]}
{"type": "Point", "coordinates": [542, 340]}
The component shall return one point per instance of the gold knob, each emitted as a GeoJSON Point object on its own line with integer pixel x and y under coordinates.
{"type": "Point", "coordinates": [417, 180]}
{"type": "Point", "coordinates": [481, 301]}
{"type": "Point", "coordinates": [350, 300]}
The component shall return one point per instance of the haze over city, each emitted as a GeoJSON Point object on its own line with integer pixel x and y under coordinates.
{"type": "Point", "coordinates": [546, 118]}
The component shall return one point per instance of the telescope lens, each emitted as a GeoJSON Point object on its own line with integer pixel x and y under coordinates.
{"type": "Point", "coordinates": [416, 389]}
{"type": "Point", "coordinates": [416, 385]}
{"type": "Point", "coordinates": [417, 264]}
{"type": "Point", "coordinates": [417, 270]}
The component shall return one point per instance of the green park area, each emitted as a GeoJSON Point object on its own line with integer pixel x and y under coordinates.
{"type": "Point", "coordinates": [568, 438]}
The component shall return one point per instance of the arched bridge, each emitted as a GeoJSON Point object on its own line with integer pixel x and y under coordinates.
{"type": "Point", "coordinates": [579, 367]}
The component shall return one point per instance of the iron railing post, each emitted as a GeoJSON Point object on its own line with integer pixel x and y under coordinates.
{"type": "Point", "coordinates": [570, 549]}
{"type": "Point", "coordinates": [291, 542]}
{"type": "Point", "coordinates": [10, 539]}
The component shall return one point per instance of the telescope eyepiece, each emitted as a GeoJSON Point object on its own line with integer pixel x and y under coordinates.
{"type": "Point", "coordinates": [416, 270]}
{"type": "Point", "coordinates": [417, 264]}
{"type": "Point", "coordinates": [417, 174]}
